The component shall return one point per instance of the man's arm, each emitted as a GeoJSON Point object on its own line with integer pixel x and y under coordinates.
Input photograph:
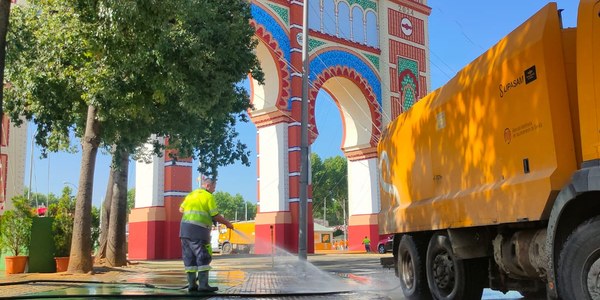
{"type": "Point", "coordinates": [219, 218]}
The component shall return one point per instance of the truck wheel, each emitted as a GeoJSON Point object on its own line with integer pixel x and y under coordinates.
{"type": "Point", "coordinates": [578, 274]}
{"type": "Point", "coordinates": [411, 269]}
{"type": "Point", "coordinates": [227, 248]}
{"type": "Point", "coordinates": [449, 277]}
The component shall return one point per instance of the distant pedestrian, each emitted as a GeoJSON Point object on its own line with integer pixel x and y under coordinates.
{"type": "Point", "coordinates": [199, 211]}
{"type": "Point", "coordinates": [367, 244]}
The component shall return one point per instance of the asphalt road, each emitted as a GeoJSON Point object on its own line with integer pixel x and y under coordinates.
{"type": "Point", "coordinates": [363, 271]}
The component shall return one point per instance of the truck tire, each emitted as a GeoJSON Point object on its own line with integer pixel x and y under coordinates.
{"type": "Point", "coordinates": [227, 248]}
{"type": "Point", "coordinates": [578, 274]}
{"type": "Point", "coordinates": [411, 269]}
{"type": "Point", "coordinates": [451, 278]}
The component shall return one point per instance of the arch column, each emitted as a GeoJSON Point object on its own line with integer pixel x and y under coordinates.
{"type": "Point", "coordinates": [273, 218]}
{"type": "Point", "coordinates": [363, 197]}
{"type": "Point", "coordinates": [160, 186]}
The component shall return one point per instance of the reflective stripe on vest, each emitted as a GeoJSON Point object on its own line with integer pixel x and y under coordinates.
{"type": "Point", "coordinates": [197, 217]}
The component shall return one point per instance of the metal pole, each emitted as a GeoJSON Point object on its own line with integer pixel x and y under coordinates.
{"type": "Point", "coordinates": [303, 226]}
{"type": "Point", "coordinates": [345, 227]}
{"type": "Point", "coordinates": [31, 171]}
{"type": "Point", "coordinates": [272, 246]}
{"type": "Point", "coordinates": [246, 210]}
{"type": "Point", "coordinates": [324, 211]}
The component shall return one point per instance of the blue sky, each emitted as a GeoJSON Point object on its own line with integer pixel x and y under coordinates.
{"type": "Point", "coordinates": [459, 31]}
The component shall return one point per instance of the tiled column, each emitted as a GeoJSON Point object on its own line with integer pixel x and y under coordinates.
{"type": "Point", "coordinates": [161, 186]}
{"type": "Point", "coordinates": [363, 199]}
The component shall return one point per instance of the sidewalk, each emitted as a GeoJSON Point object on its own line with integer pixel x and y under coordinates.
{"type": "Point", "coordinates": [326, 275]}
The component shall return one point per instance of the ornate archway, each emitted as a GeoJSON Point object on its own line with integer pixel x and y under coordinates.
{"type": "Point", "coordinates": [358, 58]}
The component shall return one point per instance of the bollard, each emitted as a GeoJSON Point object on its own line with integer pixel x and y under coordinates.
{"type": "Point", "coordinates": [272, 253]}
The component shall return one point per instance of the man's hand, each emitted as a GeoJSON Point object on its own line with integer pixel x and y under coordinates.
{"type": "Point", "coordinates": [229, 225]}
{"type": "Point", "coordinates": [219, 218]}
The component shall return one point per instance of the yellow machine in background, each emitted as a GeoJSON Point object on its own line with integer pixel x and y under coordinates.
{"type": "Point", "coordinates": [240, 240]}
{"type": "Point", "coordinates": [493, 180]}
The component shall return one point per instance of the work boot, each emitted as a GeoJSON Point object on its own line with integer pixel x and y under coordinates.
{"type": "Point", "coordinates": [191, 278]}
{"type": "Point", "coordinates": [203, 283]}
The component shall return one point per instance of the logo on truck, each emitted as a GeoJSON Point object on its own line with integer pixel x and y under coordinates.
{"type": "Point", "coordinates": [528, 76]}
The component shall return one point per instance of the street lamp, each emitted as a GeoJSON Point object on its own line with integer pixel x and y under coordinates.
{"type": "Point", "coordinates": [72, 184]}
{"type": "Point", "coordinates": [31, 168]}
{"type": "Point", "coordinates": [345, 226]}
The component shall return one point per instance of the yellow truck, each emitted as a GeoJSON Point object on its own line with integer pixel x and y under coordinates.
{"type": "Point", "coordinates": [493, 180]}
{"type": "Point", "coordinates": [239, 240]}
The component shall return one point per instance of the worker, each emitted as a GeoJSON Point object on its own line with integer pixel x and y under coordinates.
{"type": "Point", "coordinates": [199, 211]}
{"type": "Point", "coordinates": [367, 244]}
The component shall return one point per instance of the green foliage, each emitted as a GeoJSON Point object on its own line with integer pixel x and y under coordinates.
{"type": "Point", "coordinates": [130, 200]}
{"type": "Point", "coordinates": [15, 227]}
{"type": "Point", "coordinates": [232, 206]}
{"type": "Point", "coordinates": [167, 67]}
{"type": "Point", "coordinates": [62, 226]}
{"type": "Point", "coordinates": [329, 183]}
{"type": "Point", "coordinates": [63, 212]}
{"type": "Point", "coordinates": [95, 227]}
{"type": "Point", "coordinates": [39, 198]}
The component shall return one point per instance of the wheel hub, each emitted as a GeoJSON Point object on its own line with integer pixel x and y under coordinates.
{"type": "Point", "coordinates": [408, 275]}
{"type": "Point", "coordinates": [593, 280]}
{"type": "Point", "coordinates": [443, 271]}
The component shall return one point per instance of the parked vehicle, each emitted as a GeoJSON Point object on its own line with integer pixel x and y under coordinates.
{"type": "Point", "coordinates": [493, 180]}
{"type": "Point", "coordinates": [385, 244]}
{"type": "Point", "coordinates": [239, 240]}
{"type": "Point", "coordinates": [214, 240]}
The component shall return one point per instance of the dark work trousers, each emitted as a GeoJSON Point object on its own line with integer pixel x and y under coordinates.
{"type": "Point", "coordinates": [196, 257]}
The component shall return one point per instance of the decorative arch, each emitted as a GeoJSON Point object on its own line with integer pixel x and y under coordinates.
{"type": "Point", "coordinates": [278, 56]}
{"type": "Point", "coordinates": [273, 27]}
{"type": "Point", "coordinates": [273, 35]}
{"type": "Point", "coordinates": [327, 58]}
{"type": "Point", "coordinates": [361, 83]}
{"type": "Point", "coordinates": [409, 87]}
{"type": "Point", "coordinates": [346, 65]}
{"type": "Point", "coordinates": [358, 27]}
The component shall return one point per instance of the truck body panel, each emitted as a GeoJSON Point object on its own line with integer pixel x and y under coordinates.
{"type": "Point", "coordinates": [493, 180]}
{"type": "Point", "coordinates": [588, 76]}
{"type": "Point", "coordinates": [494, 145]}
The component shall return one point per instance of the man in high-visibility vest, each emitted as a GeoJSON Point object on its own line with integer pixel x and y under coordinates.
{"type": "Point", "coordinates": [199, 211]}
{"type": "Point", "coordinates": [367, 242]}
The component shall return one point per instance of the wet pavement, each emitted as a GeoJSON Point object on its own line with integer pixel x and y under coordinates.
{"type": "Point", "coordinates": [323, 276]}
{"type": "Point", "coordinates": [335, 275]}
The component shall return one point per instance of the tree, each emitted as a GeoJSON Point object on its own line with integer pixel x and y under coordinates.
{"type": "Point", "coordinates": [116, 72]}
{"type": "Point", "coordinates": [130, 200]}
{"type": "Point", "coordinates": [329, 183]}
{"type": "Point", "coordinates": [39, 198]}
{"type": "Point", "coordinates": [234, 207]}
{"type": "Point", "coordinates": [62, 226]}
{"type": "Point", "coordinates": [15, 227]}
{"type": "Point", "coordinates": [4, 17]}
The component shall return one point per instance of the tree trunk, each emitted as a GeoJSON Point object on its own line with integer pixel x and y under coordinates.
{"type": "Point", "coordinates": [80, 260]}
{"type": "Point", "coordinates": [4, 15]}
{"type": "Point", "coordinates": [116, 254]}
{"type": "Point", "coordinates": [106, 204]}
